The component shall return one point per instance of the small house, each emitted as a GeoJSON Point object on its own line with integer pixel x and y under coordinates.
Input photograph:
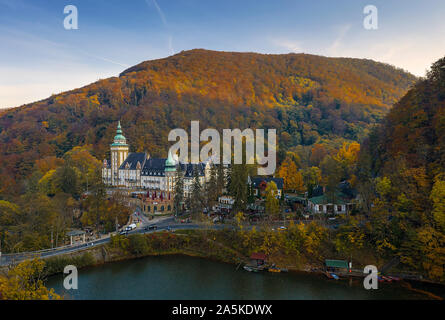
{"type": "Point", "coordinates": [225, 204]}
{"type": "Point", "coordinates": [76, 236]}
{"type": "Point", "coordinates": [336, 265]}
{"type": "Point", "coordinates": [259, 185]}
{"type": "Point", "coordinates": [258, 259]}
{"type": "Point", "coordinates": [323, 204]}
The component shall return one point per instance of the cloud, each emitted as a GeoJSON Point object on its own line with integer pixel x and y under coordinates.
{"type": "Point", "coordinates": [159, 10]}
{"type": "Point", "coordinates": [338, 42]}
{"type": "Point", "coordinates": [40, 84]}
{"type": "Point", "coordinates": [289, 45]}
{"type": "Point", "coordinates": [411, 51]}
{"type": "Point", "coordinates": [164, 22]}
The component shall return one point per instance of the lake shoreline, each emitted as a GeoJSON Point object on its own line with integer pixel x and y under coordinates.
{"type": "Point", "coordinates": [103, 255]}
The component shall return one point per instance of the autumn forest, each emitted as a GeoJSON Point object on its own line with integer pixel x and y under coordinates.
{"type": "Point", "coordinates": [376, 127]}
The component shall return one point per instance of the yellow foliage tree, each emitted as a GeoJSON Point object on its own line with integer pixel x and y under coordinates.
{"type": "Point", "coordinates": [272, 203]}
{"type": "Point", "coordinates": [25, 282]}
{"type": "Point", "coordinates": [293, 179]}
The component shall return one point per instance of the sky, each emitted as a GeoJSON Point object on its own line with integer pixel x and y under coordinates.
{"type": "Point", "coordinates": [39, 57]}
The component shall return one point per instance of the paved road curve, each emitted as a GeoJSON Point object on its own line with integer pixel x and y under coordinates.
{"type": "Point", "coordinates": [164, 224]}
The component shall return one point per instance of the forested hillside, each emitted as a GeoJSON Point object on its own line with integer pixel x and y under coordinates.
{"type": "Point", "coordinates": [307, 98]}
{"type": "Point", "coordinates": [402, 173]}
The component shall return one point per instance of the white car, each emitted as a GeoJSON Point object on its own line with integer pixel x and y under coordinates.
{"type": "Point", "coordinates": [130, 227]}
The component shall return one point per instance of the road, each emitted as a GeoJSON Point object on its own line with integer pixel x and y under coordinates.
{"type": "Point", "coordinates": [163, 223]}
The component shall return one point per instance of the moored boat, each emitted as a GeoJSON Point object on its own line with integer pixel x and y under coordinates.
{"type": "Point", "coordinates": [331, 275]}
{"type": "Point", "coordinates": [394, 278]}
{"type": "Point", "coordinates": [250, 269]}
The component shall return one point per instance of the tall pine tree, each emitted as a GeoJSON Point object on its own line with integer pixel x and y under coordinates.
{"type": "Point", "coordinates": [238, 186]}
{"type": "Point", "coordinates": [179, 191]}
{"type": "Point", "coordinates": [196, 201]}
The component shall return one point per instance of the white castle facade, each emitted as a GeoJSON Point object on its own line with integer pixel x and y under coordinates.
{"type": "Point", "coordinates": [136, 170]}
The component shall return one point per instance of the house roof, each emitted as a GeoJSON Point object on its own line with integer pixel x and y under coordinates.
{"type": "Point", "coordinates": [154, 167]}
{"type": "Point", "coordinates": [74, 233]}
{"type": "Point", "coordinates": [188, 169]}
{"type": "Point", "coordinates": [133, 159]}
{"type": "Point", "coordinates": [258, 256]}
{"type": "Point", "coordinates": [256, 181]}
{"type": "Point", "coordinates": [339, 198]}
{"type": "Point", "coordinates": [336, 263]}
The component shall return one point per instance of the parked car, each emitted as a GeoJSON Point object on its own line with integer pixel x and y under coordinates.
{"type": "Point", "coordinates": [131, 227]}
{"type": "Point", "coordinates": [123, 232]}
{"type": "Point", "coordinates": [151, 227]}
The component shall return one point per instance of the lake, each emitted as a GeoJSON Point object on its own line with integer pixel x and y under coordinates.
{"type": "Point", "coordinates": [182, 277]}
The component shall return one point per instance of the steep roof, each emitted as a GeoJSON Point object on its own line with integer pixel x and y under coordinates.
{"type": "Point", "coordinates": [189, 168]}
{"type": "Point", "coordinates": [339, 198]}
{"type": "Point", "coordinates": [154, 167]}
{"type": "Point", "coordinates": [133, 159]}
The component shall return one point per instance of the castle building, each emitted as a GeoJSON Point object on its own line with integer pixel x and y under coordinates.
{"type": "Point", "coordinates": [137, 170]}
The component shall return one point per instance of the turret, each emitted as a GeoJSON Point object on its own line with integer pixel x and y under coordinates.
{"type": "Point", "coordinates": [119, 152]}
{"type": "Point", "coordinates": [170, 172]}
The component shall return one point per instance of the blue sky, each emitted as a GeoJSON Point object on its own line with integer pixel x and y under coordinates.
{"type": "Point", "coordinates": [38, 57]}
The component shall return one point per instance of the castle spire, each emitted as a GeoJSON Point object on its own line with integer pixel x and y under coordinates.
{"type": "Point", "coordinates": [119, 139]}
{"type": "Point", "coordinates": [170, 163]}
{"type": "Point", "coordinates": [119, 129]}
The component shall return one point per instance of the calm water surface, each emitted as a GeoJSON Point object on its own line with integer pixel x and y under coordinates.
{"type": "Point", "coordinates": [182, 277]}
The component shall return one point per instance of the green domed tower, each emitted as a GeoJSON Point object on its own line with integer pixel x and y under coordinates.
{"type": "Point", "coordinates": [170, 172]}
{"type": "Point", "coordinates": [119, 152]}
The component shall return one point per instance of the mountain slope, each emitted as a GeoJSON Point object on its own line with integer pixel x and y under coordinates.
{"type": "Point", "coordinates": [403, 164]}
{"type": "Point", "coordinates": [305, 97]}
{"type": "Point", "coordinates": [414, 128]}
